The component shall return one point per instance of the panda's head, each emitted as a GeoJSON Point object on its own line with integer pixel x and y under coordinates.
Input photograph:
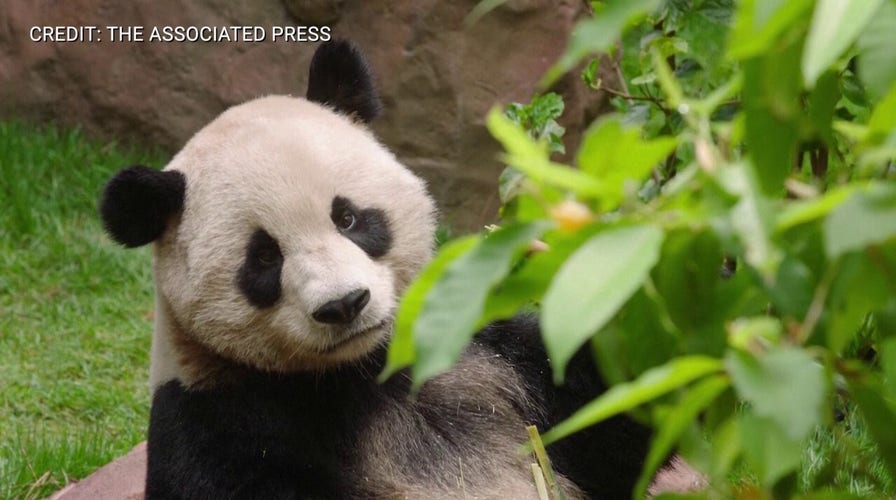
{"type": "Point", "coordinates": [283, 232]}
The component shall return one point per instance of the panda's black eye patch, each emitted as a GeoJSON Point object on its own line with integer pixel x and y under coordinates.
{"type": "Point", "coordinates": [368, 228]}
{"type": "Point", "coordinates": [259, 276]}
{"type": "Point", "coordinates": [268, 256]}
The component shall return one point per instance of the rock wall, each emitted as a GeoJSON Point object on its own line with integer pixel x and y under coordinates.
{"type": "Point", "coordinates": [437, 77]}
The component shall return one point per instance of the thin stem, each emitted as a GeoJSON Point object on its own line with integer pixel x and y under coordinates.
{"type": "Point", "coordinates": [630, 97]}
{"type": "Point", "coordinates": [817, 306]}
{"type": "Point", "coordinates": [542, 456]}
{"type": "Point", "coordinates": [618, 68]}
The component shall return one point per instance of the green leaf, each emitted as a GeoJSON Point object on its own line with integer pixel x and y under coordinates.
{"type": "Point", "coordinates": [852, 131]}
{"type": "Point", "coordinates": [704, 25]}
{"type": "Point", "coordinates": [454, 305]}
{"type": "Point", "coordinates": [772, 451]}
{"type": "Point", "coordinates": [545, 108]}
{"type": "Point", "coordinates": [531, 158]}
{"type": "Point", "coordinates": [539, 119]}
{"type": "Point", "coordinates": [401, 347]}
{"type": "Point", "coordinates": [786, 386]}
{"type": "Point", "coordinates": [624, 397]}
{"type": "Point", "coordinates": [835, 25]}
{"type": "Point", "coordinates": [771, 96]}
{"type": "Point", "coordinates": [754, 332]}
{"type": "Point", "coordinates": [880, 418]}
{"type": "Point", "coordinates": [640, 336]}
{"type": "Point", "coordinates": [855, 98]}
{"type": "Point", "coordinates": [883, 119]}
{"type": "Point", "coordinates": [675, 423]}
{"type": "Point", "coordinates": [667, 81]}
{"type": "Point", "coordinates": [526, 284]}
{"type": "Point", "coordinates": [726, 445]}
{"type": "Point", "coordinates": [644, 79]}
{"type": "Point", "coordinates": [590, 74]}
{"type": "Point", "coordinates": [867, 217]}
{"type": "Point", "coordinates": [877, 60]}
{"type": "Point", "coordinates": [821, 104]}
{"type": "Point", "coordinates": [592, 285]}
{"type": "Point", "coordinates": [860, 288]}
{"type": "Point", "coordinates": [803, 211]}
{"type": "Point", "coordinates": [598, 34]}
{"type": "Point", "coordinates": [509, 184]}
{"type": "Point", "coordinates": [887, 353]}
{"type": "Point", "coordinates": [525, 206]}
{"type": "Point", "coordinates": [610, 358]}
{"type": "Point", "coordinates": [888, 361]}
{"type": "Point", "coordinates": [793, 288]}
{"type": "Point", "coordinates": [759, 23]}
{"type": "Point", "coordinates": [751, 218]}
{"type": "Point", "coordinates": [615, 155]}
{"type": "Point", "coordinates": [717, 97]}
{"type": "Point", "coordinates": [686, 277]}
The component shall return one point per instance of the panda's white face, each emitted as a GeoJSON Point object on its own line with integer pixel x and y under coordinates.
{"type": "Point", "coordinates": [298, 233]}
{"type": "Point", "coordinates": [283, 232]}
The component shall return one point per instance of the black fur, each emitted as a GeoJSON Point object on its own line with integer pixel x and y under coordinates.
{"type": "Point", "coordinates": [295, 436]}
{"type": "Point", "coordinates": [138, 201]}
{"type": "Point", "coordinates": [371, 229]}
{"type": "Point", "coordinates": [259, 276]}
{"type": "Point", "coordinates": [271, 437]}
{"type": "Point", "coordinates": [604, 460]}
{"type": "Point", "coordinates": [339, 78]}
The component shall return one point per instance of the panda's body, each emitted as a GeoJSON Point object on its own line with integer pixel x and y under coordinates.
{"type": "Point", "coordinates": [284, 234]}
{"type": "Point", "coordinates": [340, 434]}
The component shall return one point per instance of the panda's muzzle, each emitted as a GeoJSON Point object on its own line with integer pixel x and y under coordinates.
{"type": "Point", "coordinates": [350, 337]}
{"type": "Point", "coordinates": [343, 310]}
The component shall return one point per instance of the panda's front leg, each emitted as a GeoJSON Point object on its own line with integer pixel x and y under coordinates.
{"type": "Point", "coordinates": [213, 444]}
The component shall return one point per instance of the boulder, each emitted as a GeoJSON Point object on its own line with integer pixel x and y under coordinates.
{"type": "Point", "coordinates": [437, 76]}
{"type": "Point", "coordinates": [124, 478]}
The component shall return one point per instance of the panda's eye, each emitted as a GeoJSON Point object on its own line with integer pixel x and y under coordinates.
{"type": "Point", "coordinates": [259, 275]}
{"type": "Point", "coordinates": [264, 250]}
{"type": "Point", "coordinates": [366, 227]}
{"type": "Point", "coordinates": [346, 221]}
{"type": "Point", "coordinates": [268, 256]}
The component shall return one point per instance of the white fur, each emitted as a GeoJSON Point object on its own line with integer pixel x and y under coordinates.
{"type": "Point", "coordinates": [276, 163]}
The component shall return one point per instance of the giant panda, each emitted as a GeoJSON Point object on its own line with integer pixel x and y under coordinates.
{"type": "Point", "coordinates": [283, 236]}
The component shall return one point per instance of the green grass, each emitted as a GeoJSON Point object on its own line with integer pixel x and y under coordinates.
{"type": "Point", "coordinates": [75, 314]}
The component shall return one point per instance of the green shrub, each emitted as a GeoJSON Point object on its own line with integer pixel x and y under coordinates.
{"type": "Point", "coordinates": [726, 241]}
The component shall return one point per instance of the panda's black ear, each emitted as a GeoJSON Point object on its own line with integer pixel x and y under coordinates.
{"type": "Point", "coordinates": [137, 202]}
{"type": "Point", "coordinates": [339, 78]}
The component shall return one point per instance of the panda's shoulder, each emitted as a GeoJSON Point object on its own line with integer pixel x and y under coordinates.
{"type": "Point", "coordinates": [517, 338]}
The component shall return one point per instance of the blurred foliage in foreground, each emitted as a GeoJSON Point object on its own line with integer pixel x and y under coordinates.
{"type": "Point", "coordinates": [726, 241]}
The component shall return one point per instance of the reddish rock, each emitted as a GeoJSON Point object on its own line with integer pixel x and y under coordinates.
{"type": "Point", "coordinates": [122, 479]}
{"type": "Point", "coordinates": [315, 11]}
{"type": "Point", "coordinates": [438, 78]}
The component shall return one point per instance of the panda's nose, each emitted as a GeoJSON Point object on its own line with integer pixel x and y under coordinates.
{"type": "Point", "coordinates": [344, 310]}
